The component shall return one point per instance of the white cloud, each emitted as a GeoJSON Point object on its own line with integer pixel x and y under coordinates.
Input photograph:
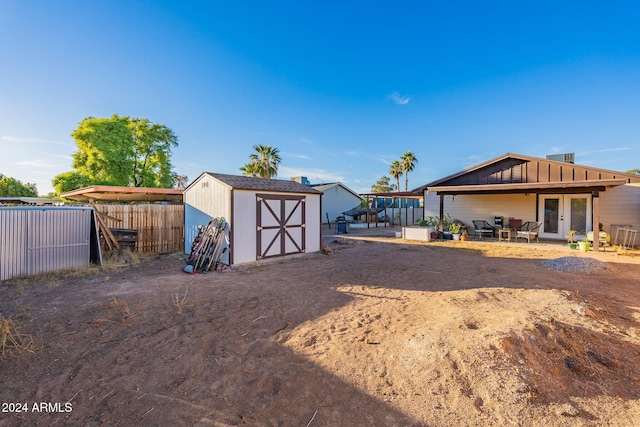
{"type": "Point", "coordinates": [299, 156]}
{"type": "Point", "coordinates": [398, 99]}
{"type": "Point", "coordinates": [37, 140]}
{"type": "Point", "coordinates": [38, 164]}
{"type": "Point", "coordinates": [312, 174]}
{"type": "Point", "coordinates": [307, 141]}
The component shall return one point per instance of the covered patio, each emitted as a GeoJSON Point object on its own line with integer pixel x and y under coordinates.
{"type": "Point", "coordinates": [561, 196]}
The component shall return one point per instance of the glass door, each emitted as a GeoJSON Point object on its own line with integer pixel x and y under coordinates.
{"type": "Point", "coordinates": [561, 213]}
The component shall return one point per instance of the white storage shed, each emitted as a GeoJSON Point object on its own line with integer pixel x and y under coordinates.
{"type": "Point", "coordinates": [267, 217]}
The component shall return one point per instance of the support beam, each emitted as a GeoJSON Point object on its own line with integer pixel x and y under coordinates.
{"type": "Point", "coordinates": [595, 201]}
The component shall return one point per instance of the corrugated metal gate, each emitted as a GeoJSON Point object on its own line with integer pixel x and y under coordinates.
{"type": "Point", "coordinates": [35, 240]}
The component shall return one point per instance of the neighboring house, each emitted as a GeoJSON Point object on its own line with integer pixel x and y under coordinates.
{"type": "Point", "coordinates": [562, 196]}
{"type": "Point", "coordinates": [268, 217]}
{"type": "Point", "coordinates": [336, 199]}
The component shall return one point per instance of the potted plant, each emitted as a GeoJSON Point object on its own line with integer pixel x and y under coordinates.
{"type": "Point", "coordinates": [454, 229]}
{"type": "Point", "coordinates": [447, 221]}
{"type": "Point", "coordinates": [465, 235]}
{"type": "Point", "coordinates": [433, 221]}
{"type": "Point", "coordinates": [584, 244]}
{"type": "Point", "coordinates": [570, 239]}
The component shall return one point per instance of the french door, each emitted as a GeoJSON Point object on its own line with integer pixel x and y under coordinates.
{"type": "Point", "coordinates": [561, 213]}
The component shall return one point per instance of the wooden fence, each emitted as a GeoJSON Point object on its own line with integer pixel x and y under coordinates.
{"type": "Point", "coordinates": [160, 227]}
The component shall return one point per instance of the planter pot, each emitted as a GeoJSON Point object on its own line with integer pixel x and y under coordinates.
{"type": "Point", "coordinates": [584, 246]}
{"type": "Point", "coordinates": [464, 237]}
{"type": "Point", "coordinates": [456, 236]}
{"type": "Point", "coordinates": [447, 235]}
{"type": "Point", "coordinates": [417, 233]}
{"type": "Point", "coordinates": [573, 246]}
{"type": "Point", "coordinates": [434, 235]}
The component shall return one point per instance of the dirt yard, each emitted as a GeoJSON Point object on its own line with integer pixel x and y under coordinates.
{"type": "Point", "coordinates": [380, 331]}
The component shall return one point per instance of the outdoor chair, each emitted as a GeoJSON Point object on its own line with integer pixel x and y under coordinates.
{"type": "Point", "coordinates": [528, 230]}
{"type": "Point", "coordinates": [483, 227]}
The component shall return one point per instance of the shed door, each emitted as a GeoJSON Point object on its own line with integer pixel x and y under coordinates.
{"type": "Point", "coordinates": [280, 225]}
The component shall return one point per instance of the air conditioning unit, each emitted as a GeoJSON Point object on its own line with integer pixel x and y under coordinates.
{"type": "Point", "coordinates": [567, 157]}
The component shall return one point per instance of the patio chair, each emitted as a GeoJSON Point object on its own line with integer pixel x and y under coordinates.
{"type": "Point", "coordinates": [603, 238]}
{"type": "Point", "coordinates": [483, 227]}
{"type": "Point", "coordinates": [528, 230]}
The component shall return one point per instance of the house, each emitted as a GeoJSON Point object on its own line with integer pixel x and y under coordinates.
{"type": "Point", "coordinates": [336, 199]}
{"type": "Point", "coordinates": [267, 217]}
{"type": "Point", "coordinates": [562, 196]}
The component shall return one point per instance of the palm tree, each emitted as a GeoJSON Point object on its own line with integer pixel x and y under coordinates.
{"type": "Point", "coordinates": [409, 161]}
{"type": "Point", "coordinates": [396, 170]}
{"type": "Point", "coordinates": [263, 163]}
{"type": "Point", "coordinates": [181, 181]}
{"type": "Point", "coordinates": [250, 169]}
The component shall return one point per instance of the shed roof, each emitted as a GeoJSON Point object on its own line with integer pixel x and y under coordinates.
{"type": "Point", "coordinates": [517, 173]}
{"type": "Point", "coordinates": [124, 194]}
{"type": "Point", "coordinates": [241, 182]}
{"type": "Point", "coordinates": [326, 186]}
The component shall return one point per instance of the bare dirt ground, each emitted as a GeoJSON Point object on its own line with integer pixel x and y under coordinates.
{"type": "Point", "coordinates": [381, 331]}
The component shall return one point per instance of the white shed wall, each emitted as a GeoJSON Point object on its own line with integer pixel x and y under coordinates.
{"type": "Point", "coordinates": [206, 199]}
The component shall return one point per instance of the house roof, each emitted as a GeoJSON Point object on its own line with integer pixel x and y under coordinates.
{"type": "Point", "coordinates": [327, 186]}
{"type": "Point", "coordinates": [518, 173]}
{"type": "Point", "coordinates": [242, 182]}
{"type": "Point", "coordinates": [124, 194]}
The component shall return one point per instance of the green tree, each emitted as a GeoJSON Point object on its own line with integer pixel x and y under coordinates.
{"type": "Point", "coordinates": [69, 181]}
{"type": "Point", "coordinates": [383, 185]}
{"type": "Point", "coordinates": [396, 170]}
{"type": "Point", "coordinates": [634, 171]}
{"type": "Point", "coordinates": [122, 151]}
{"type": "Point", "coordinates": [408, 161]}
{"type": "Point", "coordinates": [11, 187]}
{"type": "Point", "coordinates": [263, 163]}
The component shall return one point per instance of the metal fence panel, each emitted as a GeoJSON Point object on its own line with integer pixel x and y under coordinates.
{"type": "Point", "coordinates": [38, 240]}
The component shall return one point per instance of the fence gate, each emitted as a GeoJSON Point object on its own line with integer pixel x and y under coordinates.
{"type": "Point", "coordinates": [280, 221]}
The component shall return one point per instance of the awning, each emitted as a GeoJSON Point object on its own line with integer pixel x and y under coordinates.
{"type": "Point", "coordinates": [124, 194]}
{"type": "Point", "coordinates": [533, 187]}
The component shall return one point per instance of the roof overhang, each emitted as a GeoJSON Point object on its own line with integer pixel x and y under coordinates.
{"type": "Point", "coordinates": [110, 193]}
{"type": "Point", "coordinates": [536, 187]}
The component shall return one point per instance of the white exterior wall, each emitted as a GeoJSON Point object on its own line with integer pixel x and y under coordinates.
{"type": "Point", "coordinates": [620, 206]}
{"type": "Point", "coordinates": [469, 207]}
{"type": "Point", "coordinates": [313, 222]}
{"type": "Point", "coordinates": [244, 224]}
{"type": "Point", "coordinates": [336, 200]}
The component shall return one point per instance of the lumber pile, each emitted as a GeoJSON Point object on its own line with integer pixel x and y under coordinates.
{"type": "Point", "coordinates": [208, 247]}
{"type": "Point", "coordinates": [110, 240]}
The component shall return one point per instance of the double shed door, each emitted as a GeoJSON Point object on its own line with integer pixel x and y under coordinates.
{"type": "Point", "coordinates": [280, 225]}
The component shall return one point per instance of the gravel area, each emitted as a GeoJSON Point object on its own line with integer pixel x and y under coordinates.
{"type": "Point", "coordinates": [571, 264]}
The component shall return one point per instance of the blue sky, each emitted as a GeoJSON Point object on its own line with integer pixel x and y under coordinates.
{"type": "Point", "coordinates": [341, 88]}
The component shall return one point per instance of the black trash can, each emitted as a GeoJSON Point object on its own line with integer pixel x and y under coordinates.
{"type": "Point", "coordinates": [341, 225]}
